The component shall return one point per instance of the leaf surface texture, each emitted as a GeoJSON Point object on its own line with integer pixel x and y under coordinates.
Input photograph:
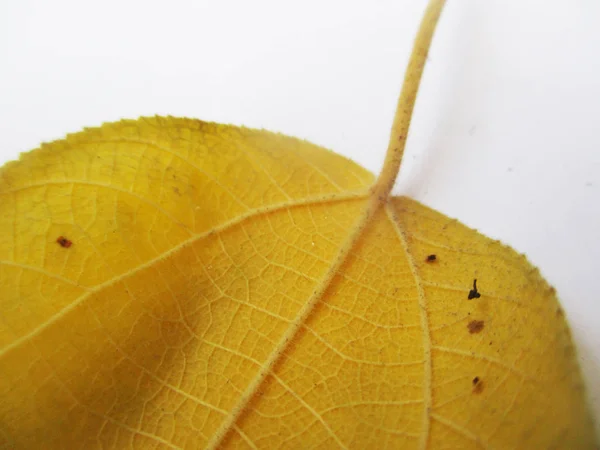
{"type": "Point", "coordinates": [176, 315]}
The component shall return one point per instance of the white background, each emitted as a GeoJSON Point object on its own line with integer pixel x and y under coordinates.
{"type": "Point", "coordinates": [506, 132]}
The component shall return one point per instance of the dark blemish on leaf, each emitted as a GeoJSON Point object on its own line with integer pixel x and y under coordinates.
{"type": "Point", "coordinates": [475, 326]}
{"type": "Point", "coordinates": [559, 312]}
{"type": "Point", "coordinates": [431, 258]}
{"type": "Point", "coordinates": [64, 242]}
{"type": "Point", "coordinates": [473, 292]}
{"type": "Point", "coordinates": [176, 190]}
{"type": "Point", "coordinates": [477, 385]}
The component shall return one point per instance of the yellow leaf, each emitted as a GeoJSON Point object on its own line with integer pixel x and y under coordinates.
{"type": "Point", "coordinates": [171, 283]}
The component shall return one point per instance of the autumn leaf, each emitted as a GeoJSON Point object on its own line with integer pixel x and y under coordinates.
{"type": "Point", "coordinates": [172, 283]}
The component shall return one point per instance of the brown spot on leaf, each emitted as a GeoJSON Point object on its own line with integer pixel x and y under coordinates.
{"type": "Point", "coordinates": [475, 326]}
{"type": "Point", "coordinates": [431, 258]}
{"type": "Point", "coordinates": [64, 242]}
{"type": "Point", "coordinates": [477, 385]}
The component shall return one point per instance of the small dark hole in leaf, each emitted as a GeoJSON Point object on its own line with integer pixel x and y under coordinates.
{"type": "Point", "coordinates": [64, 242]}
{"type": "Point", "coordinates": [431, 258]}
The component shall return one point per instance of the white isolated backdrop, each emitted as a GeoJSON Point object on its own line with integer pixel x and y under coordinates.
{"type": "Point", "coordinates": [506, 131]}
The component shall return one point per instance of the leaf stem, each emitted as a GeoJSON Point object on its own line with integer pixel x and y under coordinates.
{"type": "Point", "coordinates": [412, 79]}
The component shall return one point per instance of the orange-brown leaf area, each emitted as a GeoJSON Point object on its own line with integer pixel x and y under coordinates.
{"type": "Point", "coordinates": [153, 274]}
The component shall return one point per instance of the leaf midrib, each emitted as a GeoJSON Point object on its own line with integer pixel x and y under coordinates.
{"type": "Point", "coordinates": [374, 204]}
